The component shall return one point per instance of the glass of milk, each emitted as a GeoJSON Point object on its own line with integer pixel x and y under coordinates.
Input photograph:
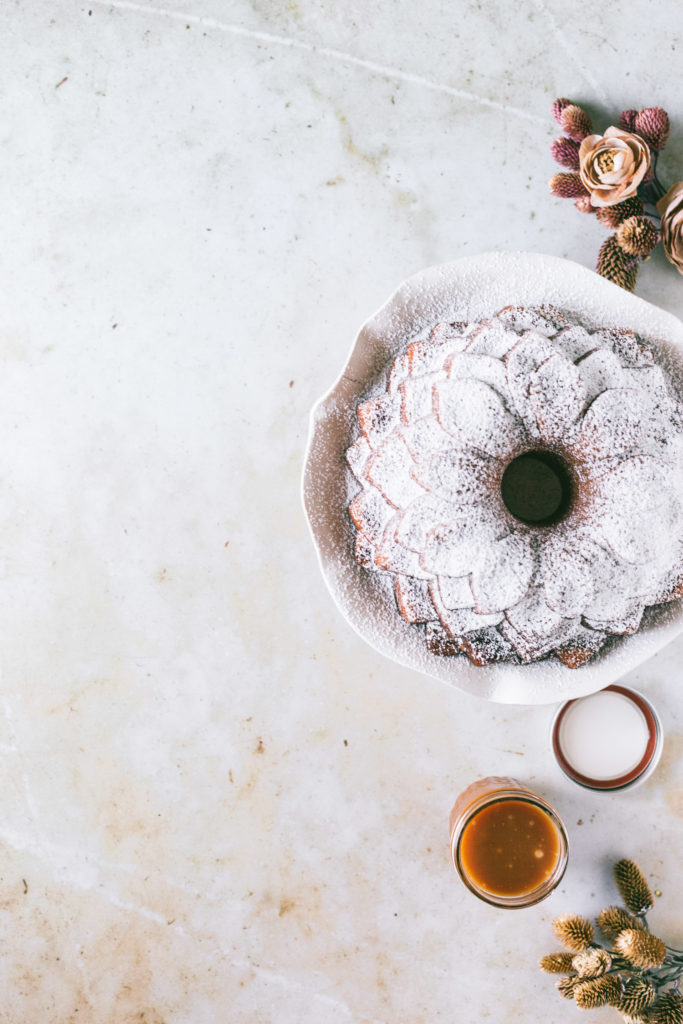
{"type": "Point", "coordinates": [610, 740]}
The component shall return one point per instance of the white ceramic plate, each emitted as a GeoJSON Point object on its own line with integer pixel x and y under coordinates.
{"type": "Point", "coordinates": [465, 289]}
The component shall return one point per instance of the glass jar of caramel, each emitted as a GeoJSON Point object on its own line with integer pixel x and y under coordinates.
{"type": "Point", "coordinates": [508, 845]}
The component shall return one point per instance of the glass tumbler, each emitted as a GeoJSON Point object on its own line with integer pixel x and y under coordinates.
{"type": "Point", "coordinates": [508, 845]}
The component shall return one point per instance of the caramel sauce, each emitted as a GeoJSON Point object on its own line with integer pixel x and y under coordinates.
{"type": "Point", "coordinates": [509, 848]}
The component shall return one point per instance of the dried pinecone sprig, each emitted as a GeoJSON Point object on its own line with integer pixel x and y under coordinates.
{"type": "Point", "coordinates": [637, 236]}
{"type": "Point", "coordinates": [631, 883]}
{"type": "Point", "coordinates": [567, 186]}
{"type": "Point", "coordinates": [616, 265]}
{"type": "Point", "coordinates": [593, 963]}
{"type": "Point", "coordinates": [667, 1010]}
{"type": "Point", "coordinates": [557, 963]}
{"type": "Point", "coordinates": [652, 124]}
{"type": "Point", "coordinates": [639, 993]}
{"type": "Point", "coordinates": [613, 920]}
{"type": "Point", "coordinates": [567, 986]}
{"type": "Point", "coordinates": [605, 991]}
{"type": "Point", "coordinates": [574, 932]}
{"type": "Point", "coordinates": [575, 123]}
{"type": "Point", "coordinates": [639, 976]}
{"type": "Point", "coordinates": [566, 153]}
{"type": "Point", "coordinates": [558, 106]}
{"type": "Point", "coordinates": [613, 216]}
{"type": "Point", "coordinates": [627, 120]}
{"type": "Point", "coordinates": [641, 948]}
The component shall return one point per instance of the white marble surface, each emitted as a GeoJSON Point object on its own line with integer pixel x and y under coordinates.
{"type": "Point", "coordinates": [218, 803]}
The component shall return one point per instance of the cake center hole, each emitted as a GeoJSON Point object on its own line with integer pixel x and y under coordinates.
{"type": "Point", "coordinates": [537, 488]}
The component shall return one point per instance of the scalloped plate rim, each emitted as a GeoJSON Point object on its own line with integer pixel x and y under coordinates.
{"type": "Point", "coordinates": [498, 683]}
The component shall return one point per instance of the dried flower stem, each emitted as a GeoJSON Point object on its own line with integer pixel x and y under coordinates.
{"type": "Point", "coordinates": [639, 975]}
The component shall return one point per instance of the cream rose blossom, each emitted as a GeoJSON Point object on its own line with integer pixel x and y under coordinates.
{"type": "Point", "coordinates": [670, 209]}
{"type": "Point", "coordinates": [613, 165]}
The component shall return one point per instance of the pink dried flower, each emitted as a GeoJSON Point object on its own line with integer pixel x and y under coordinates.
{"type": "Point", "coordinates": [567, 186]}
{"type": "Point", "coordinates": [566, 152]}
{"type": "Point", "coordinates": [619, 268]}
{"type": "Point", "coordinates": [558, 106]}
{"type": "Point", "coordinates": [576, 123]}
{"type": "Point", "coordinates": [583, 204]}
{"type": "Point", "coordinates": [613, 165]}
{"type": "Point", "coordinates": [627, 120]}
{"type": "Point", "coordinates": [670, 209]}
{"type": "Point", "coordinates": [613, 216]}
{"type": "Point", "coordinates": [652, 124]}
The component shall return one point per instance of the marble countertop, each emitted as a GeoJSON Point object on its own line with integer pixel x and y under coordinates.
{"type": "Point", "coordinates": [219, 803]}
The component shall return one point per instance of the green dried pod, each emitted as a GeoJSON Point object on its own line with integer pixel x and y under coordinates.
{"type": "Point", "coordinates": [613, 920]}
{"type": "Point", "coordinates": [557, 963]}
{"type": "Point", "coordinates": [631, 883]}
{"type": "Point", "coordinates": [574, 932]}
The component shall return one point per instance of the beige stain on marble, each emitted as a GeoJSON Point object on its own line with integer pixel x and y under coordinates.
{"type": "Point", "coordinates": [373, 160]}
{"type": "Point", "coordinates": [310, 904]}
{"type": "Point", "coordinates": [669, 770]}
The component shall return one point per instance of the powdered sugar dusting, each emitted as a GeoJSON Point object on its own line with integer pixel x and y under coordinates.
{"type": "Point", "coordinates": [458, 551]}
{"type": "Point", "coordinates": [459, 294]}
{"type": "Point", "coordinates": [476, 417]}
{"type": "Point", "coordinates": [556, 397]}
{"type": "Point", "coordinates": [501, 578]}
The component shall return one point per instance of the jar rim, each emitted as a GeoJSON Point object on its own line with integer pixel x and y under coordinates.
{"type": "Point", "coordinates": [533, 896]}
{"type": "Point", "coordinates": [639, 772]}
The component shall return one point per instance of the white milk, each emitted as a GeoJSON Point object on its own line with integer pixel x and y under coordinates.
{"type": "Point", "coordinates": [604, 736]}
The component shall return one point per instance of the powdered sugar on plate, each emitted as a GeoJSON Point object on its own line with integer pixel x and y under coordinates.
{"type": "Point", "coordinates": [462, 294]}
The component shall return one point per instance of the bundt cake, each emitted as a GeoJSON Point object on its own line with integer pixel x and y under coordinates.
{"type": "Point", "coordinates": [522, 482]}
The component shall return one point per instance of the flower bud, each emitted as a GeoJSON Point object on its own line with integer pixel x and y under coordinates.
{"type": "Point", "coordinates": [558, 106]}
{"type": "Point", "coordinates": [619, 268]}
{"type": "Point", "coordinates": [566, 152]}
{"type": "Point", "coordinates": [567, 186]}
{"type": "Point", "coordinates": [627, 120]}
{"type": "Point", "coordinates": [613, 216]}
{"type": "Point", "coordinates": [652, 124]}
{"type": "Point", "coordinates": [583, 204]}
{"type": "Point", "coordinates": [576, 123]}
{"type": "Point", "coordinates": [637, 236]}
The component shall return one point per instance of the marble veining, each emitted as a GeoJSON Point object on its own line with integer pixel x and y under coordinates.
{"type": "Point", "coordinates": [219, 804]}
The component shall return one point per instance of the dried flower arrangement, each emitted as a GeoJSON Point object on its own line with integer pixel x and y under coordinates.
{"type": "Point", "coordinates": [638, 974]}
{"type": "Point", "coordinates": [614, 176]}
